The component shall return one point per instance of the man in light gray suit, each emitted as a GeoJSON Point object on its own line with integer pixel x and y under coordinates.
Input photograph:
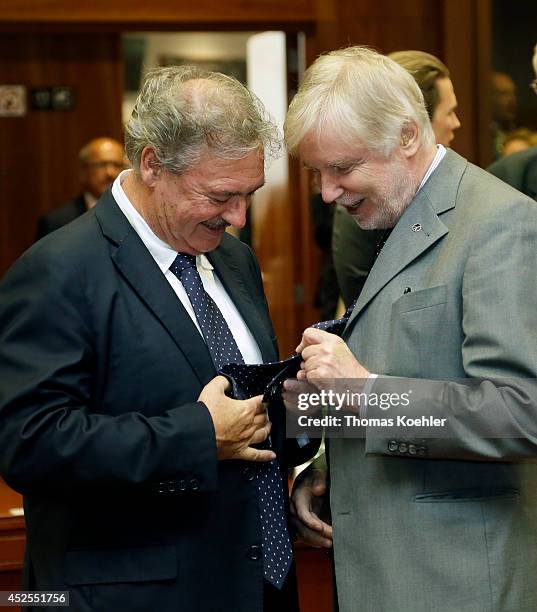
{"type": "Point", "coordinates": [424, 517]}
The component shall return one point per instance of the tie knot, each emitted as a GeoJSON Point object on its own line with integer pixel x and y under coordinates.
{"type": "Point", "coordinates": [182, 262]}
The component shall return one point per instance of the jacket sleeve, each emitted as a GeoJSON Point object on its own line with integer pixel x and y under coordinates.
{"type": "Point", "coordinates": [491, 415]}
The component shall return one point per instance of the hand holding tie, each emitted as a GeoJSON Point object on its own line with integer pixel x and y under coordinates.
{"type": "Point", "coordinates": [237, 423]}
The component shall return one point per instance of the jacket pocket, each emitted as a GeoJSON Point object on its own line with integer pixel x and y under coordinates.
{"type": "Point", "coordinates": [418, 300]}
{"type": "Point", "coordinates": [466, 495]}
{"type": "Point", "coordinates": [109, 566]}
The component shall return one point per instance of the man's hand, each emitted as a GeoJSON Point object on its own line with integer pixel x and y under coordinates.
{"type": "Point", "coordinates": [326, 357]}
{"type": "Point", "coordinates": [309, 494]}
{"type": "Point", "coordinates": [291, 392]}
{"type": "Point", "coordinates": [237, 423]}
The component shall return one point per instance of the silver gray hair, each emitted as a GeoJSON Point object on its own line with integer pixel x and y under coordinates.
{"type": "Point", "coordinates": [359, 94]}
{"type": "Point", "coordinates": [183, 111]}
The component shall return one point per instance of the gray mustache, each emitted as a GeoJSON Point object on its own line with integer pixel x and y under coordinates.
{"type": "Point", "coordinates": [220, 224]}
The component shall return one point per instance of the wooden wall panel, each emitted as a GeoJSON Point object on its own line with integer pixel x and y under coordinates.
{"type": "Point", "coordinates": [163, 13]}
{"type": "Point", "coordinates": [38, 152]}
{"type": "Point", "coordinates": [385, 25]}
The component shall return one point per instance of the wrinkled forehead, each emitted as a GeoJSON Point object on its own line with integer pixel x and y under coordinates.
{"type": "Point", "coordinates": [326, 148]}
{"type": "Point", "coordinates": [241, 175]}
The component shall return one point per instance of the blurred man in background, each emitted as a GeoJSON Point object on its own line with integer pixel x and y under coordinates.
{"type": "Point", "coordinates": [504, 110]}
{"type": "Point", "coordinates": [520, 169]}
{"type": "Point", "coordinates": [100, 161]}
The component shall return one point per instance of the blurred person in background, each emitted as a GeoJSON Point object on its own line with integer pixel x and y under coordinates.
{"type": "Point", "coordinates": [519, 140]}
{"type": "Point", "coordinates": [520, 169]}
{"type": "Point", "coordinates": [504, 110]}
{"type": "Point", "coordinates": [100, 161]}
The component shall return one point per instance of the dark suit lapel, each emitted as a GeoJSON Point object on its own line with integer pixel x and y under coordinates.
{"type": "Point", "coordinates": [138, 267]}
{"type": "Point", "coordinates": [233, 279]}
{"type": "Point", "coordinates": [418, 229]}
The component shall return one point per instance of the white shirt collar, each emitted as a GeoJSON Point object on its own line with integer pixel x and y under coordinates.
{"type": "Point", "coordinates": [161, 252]}
{"type": "Point", "coordinates": [440, 152]}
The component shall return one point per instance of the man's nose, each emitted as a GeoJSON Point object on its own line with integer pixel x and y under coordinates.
{"type": "Point", "coordinates": [330, 190]}
{"type": "Point", "coordinates": [235, 213]}
{"type": "Point", "coordinates": [456, 122]}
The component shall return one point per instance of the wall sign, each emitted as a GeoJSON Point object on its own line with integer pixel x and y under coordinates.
{"type": "Point", "coordinates": [12, 100]}
{"type": "Point", "coordinates": [53, 98]}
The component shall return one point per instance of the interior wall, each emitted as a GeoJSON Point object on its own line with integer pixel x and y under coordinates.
{"type": "Point", "coordinates": [196, 46]}
{"type": "Point", "coordinates": [38, 151]}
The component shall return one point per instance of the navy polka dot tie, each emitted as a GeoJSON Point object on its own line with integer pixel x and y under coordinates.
{"type": "Point", "coordinates": [277, 550]}
{"type": "Point", "coordinates": [267, 379]}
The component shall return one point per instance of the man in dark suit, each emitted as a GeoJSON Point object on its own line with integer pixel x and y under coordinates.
{"type": "Point", "coordinates": [100, 160]}
{"type": "Point", "coordinates": [520, 169]}
{"type": "Point", "coordinates": [145, 486]}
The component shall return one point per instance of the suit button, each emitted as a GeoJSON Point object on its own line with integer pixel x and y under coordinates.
{"type": "Point", "coordinates": [182, 485]}
{"type": "Point", "coordinates": [161, 488]}
{"type": "Point", "coordinates": [248, 473]}
{"type": "Point", "coordinates": [254, 553]}
{"type": "Point", "coordinates": [194, 484]}
{"type": "Point", "coordinates": [392, 446]}
{"type": "Point", "coordinates": [422, 451]}
{"type": "Point", "coordinates": [403, 447]}
{"type": "Point", "coordinates": [412, 449]}
{"type": "Point", "coordinates": [170, 486]}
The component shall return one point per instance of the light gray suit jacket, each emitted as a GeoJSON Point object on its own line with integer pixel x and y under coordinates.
{"type": "Point", "coordinates": [446, 523]}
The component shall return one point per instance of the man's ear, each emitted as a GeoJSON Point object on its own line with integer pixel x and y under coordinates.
{"type": "Point", "coordinates": [149, 166]}
{"type": "Point", "coordinates": [410, 140]}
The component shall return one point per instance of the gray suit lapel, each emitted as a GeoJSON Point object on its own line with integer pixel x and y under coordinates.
{"type": "Point", "coordinates": [418, 229]}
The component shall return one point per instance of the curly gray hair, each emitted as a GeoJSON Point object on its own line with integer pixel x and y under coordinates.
{"type": "Point", "coordinates": [182, 111]}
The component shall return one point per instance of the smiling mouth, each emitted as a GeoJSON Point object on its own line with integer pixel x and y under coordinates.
{"type": "Point", "coordinates": [353, 207]}
{"type": "Point", "coordinates": [215, 227]}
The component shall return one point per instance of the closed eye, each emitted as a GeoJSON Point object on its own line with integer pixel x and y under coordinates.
{"type": "Point", "coordinates": [221, 197]}
{"type": "Point", "coordinates": [343, 169]}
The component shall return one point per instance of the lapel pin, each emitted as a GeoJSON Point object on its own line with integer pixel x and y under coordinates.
{"type": "Point", "coordinates": [416, 227]}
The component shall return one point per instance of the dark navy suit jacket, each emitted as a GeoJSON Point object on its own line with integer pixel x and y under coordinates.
{"type": "Point", "coordinates": [126, 504]}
